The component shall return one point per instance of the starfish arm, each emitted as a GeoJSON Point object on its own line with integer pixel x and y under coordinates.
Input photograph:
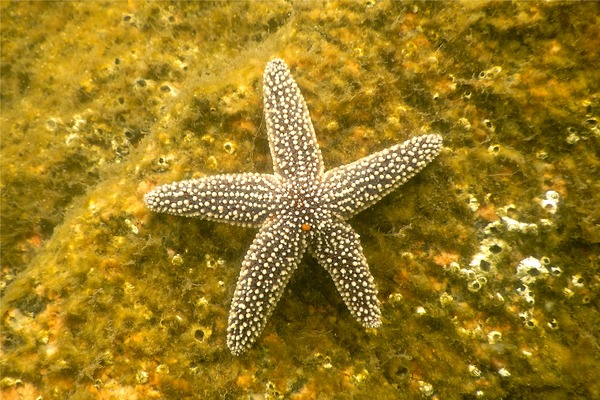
{"type": "Point", "coordinates": [243, 199]}
{"type": "Point", "coordinates": [292, 139]}
{"type": "Point", "coordinates": [266, 270]}
{"type": "Point", "coordinates": [337, 248]}
{"type": "Point", "coordinates": [352, 188]}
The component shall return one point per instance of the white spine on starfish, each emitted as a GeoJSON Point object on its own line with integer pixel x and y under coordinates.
{"type": "Point", "coordinates": [356, 186]}
{"type": "Point", "coordinates": [292, 139]}
{"type": "Point", "coordinates": [242, 199]}
{"type": "Point", "coordinates": [266, 270]}
{"type": "Point", "coordinates": [337, 248]}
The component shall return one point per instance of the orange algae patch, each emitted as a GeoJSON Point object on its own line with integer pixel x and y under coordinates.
{"type": "Point", "coordinates": [445, 258]}
{"type": "Point", "coordinates": [487, 212]}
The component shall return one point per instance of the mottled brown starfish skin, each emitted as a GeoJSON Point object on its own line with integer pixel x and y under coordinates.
{"type": "Point", "coordinates": [298, 207]}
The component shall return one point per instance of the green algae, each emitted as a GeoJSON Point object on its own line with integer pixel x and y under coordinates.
{"type": "Point", "coordinates": [102, 299]}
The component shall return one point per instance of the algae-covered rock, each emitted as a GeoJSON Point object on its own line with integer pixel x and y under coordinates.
{"type": "Point", "coordinates": [486, 263]}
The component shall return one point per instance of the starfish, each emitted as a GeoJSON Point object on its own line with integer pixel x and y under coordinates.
{"type": "Point", "coordinates": [297, 207]}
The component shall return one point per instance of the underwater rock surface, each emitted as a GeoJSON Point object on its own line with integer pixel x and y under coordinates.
{"type": "Point", "coordinates": [487, 263]}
